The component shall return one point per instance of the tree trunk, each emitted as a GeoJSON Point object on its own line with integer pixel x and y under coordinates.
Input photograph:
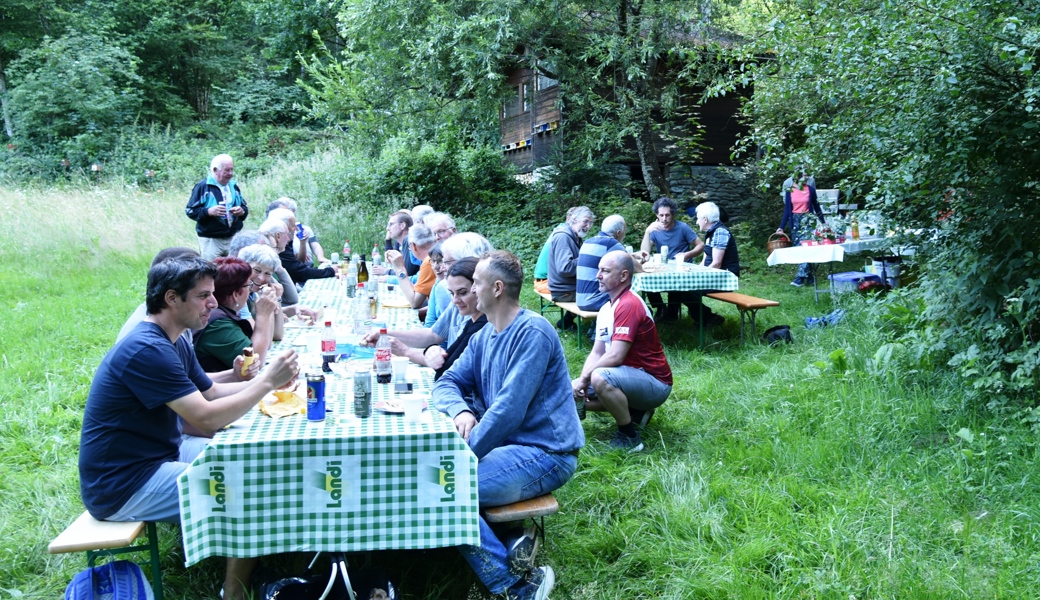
{"type": "Point", "coordinates": [655, 181]}
{"type": "Point", "coordinates": [8, 127]}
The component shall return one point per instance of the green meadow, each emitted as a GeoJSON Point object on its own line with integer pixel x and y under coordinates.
{"type": "Point", "coordinates": [834, 467]}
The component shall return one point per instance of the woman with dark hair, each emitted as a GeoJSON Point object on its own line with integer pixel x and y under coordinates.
{"type": "Point", "coordinates": [460, 285]}
{"type": "Point", "coordinates": [227, 334]}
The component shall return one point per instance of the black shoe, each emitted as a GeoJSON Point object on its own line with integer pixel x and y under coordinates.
{"type": "Point", "coordinates": [535, 585]}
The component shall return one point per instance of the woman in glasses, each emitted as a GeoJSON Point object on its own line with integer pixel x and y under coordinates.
{"type": "Point", "coordinates": [227, 333]}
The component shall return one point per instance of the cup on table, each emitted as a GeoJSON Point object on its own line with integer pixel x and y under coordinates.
{"type": "Point", "coordinates": [659, 258]}
{"type": "Point", "coordinates": [413, 407]}
{"type": "Point", "coordinates": [679, 260]}
{"type": "Point", "coordinates": [399, 364]}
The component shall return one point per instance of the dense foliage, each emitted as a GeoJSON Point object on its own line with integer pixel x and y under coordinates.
{"type": "Point", "coordinates": [77, 77]}
{"type": "Point", "coordinates": [928, 112]}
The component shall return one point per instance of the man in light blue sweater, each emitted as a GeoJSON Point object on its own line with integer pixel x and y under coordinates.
{"type": "Point", "coordinates": [510, 397]}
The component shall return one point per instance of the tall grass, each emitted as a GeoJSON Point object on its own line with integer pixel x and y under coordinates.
{"type": "Point", "coordinates": [772, 472]}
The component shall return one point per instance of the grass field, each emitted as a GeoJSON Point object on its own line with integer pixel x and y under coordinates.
{"type": "Point", "coordinates": [806, 471]}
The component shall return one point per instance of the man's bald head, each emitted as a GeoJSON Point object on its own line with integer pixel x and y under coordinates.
{"type": "Point", "coordinates": [620, 259]}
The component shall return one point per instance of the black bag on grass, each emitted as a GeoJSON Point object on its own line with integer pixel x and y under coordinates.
{"type": "Point", "coordinates": [778, 335]}
{"type": "Point", "coordinates": [369, 584]}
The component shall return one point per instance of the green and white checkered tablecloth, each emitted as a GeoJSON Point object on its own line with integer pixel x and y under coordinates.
{"type": "Point", "coordinates": [346, 484]}
{"type": "Point", "coordinates": [690, 278]}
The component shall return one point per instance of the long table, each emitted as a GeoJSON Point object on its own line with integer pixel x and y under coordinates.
{"type": "Point", "coordinates": [267, 485]}
{"type": "Point", "coordinates": [685, 279]}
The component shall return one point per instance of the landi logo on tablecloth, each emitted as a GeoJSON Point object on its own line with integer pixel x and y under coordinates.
{"type": "Point", "coordinates": [442, 478]}
{"type": "Point", "coordinates": [215, 491]}
{"type": "Point", "coordinates": [337, 481]}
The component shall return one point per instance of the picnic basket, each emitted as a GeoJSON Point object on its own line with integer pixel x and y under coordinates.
{"type": "Point", "coordinates": [782, 242]}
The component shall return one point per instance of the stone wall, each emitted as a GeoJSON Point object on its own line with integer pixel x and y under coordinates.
{"type": "Point", "coordinates": [724, 186]}
{"type": "Point", "coordinates": [690, 186]}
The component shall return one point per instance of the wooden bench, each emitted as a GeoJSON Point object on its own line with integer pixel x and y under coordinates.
{"type": "Point", "coordinates": [535, 509]}
{"type": "Point", "coordinates": [546, 301]}
{"type": "Point", "coordinates": [747, 305]}
{"type": "Point", "coordinates": [108, 538]}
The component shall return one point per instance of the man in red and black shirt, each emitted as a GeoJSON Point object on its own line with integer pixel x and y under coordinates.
{"type": "Point", "coordinates": [626, 374]}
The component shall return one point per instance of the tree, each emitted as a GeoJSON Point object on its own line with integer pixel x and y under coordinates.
{"type": "Point", "coordinates": [928, 112]}
{"type": "Point", "coordinates": [75, 91]}
{"type": "Point", "coordinates": [621, 64]}
{"type": "Point", "coordinates": [23, 24]}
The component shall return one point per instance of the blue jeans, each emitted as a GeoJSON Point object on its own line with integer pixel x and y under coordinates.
{"type": "Point", "coordinates": [805, 270]}
{"type": "Point", "coordinates": [505, 475]}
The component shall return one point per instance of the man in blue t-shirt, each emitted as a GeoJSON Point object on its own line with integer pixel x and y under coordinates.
{"type": "Point", "coordinates": [509, 396]}
{"type": "Point", "coordinates": [131, 452]}
{"type": "Point", "coordinates": [681, 241]}
{"type": "Point", "coordinates": [592, 250]}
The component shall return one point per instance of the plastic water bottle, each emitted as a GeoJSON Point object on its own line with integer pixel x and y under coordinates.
{"type": "Point", "coordinates": [360, 312]}
{"type": "Point", "coordinates": [384, 371]}
{"type": "Point", "coordinates": [346, 250]}
{"type": "Point", "coordinates": [351, 283]}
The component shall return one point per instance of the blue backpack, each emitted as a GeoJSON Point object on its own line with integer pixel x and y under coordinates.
{"type": "Point", "coordinates": [116, 580]}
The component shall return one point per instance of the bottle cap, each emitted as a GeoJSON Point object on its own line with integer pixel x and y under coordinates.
{"type": "Point", "coordinates": [382, 330]}
{"type": "Point", "coordinates": [328, 323]}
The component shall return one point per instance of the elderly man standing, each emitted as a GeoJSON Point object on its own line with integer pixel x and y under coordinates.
{"type": "Point", "coordinates": [508, 396]}
{"type": "Point", "coordinates": [131, 451]}
{"type": "Point", "coordinates": [564, 243]}
{"type": "Point", "coordinates": [592, 250]}
{"type": "Point", "coordinates": [681, 241]}
{"type": "Point", "coordinates": [217, 207]}
{"type": "Point", "coordinates": [626, 374]}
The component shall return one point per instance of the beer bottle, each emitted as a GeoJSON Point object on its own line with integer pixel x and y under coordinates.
{"type": "Point", "coordinates": [362, 272]}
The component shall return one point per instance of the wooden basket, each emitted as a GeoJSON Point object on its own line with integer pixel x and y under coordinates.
{"type": "Point", "coordinates": [782, 242]}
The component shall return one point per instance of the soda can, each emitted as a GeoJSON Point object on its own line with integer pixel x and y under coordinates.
{"type": "Point", "coordinates": [315, 397]}
{"type": "Point", "coordinates": [362, 393]}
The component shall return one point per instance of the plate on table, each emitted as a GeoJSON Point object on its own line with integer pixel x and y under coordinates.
{"type": "Point", "coordinates": [395, 406]}
{"type": "Point", "coordinates": [298, 321]}
{"type": "Point", "coordinates": [395, 302]}
{"type": "Point", "coordinates": [654, 267]}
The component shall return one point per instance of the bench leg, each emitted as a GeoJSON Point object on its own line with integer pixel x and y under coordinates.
{"type": "Point", "coordinates": [577, 320]}
{"type": "Point", "coordinates": [152, 547]}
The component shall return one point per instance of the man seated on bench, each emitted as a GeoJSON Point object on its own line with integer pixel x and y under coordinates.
{"type": "Point", "coordinates": [681, 241]}
{"type": "Point", "coordinates": [564, 243]}
{"type": "Point", "coordinates": [610, 238]}
{"type": "Point", "coordinates": [131, 452]}
{"type": "Point", "coordinates": [627, 373]}
{"type": "Point", "coordinates": [720, 252]}
{"type": "Point", "coordinates": [509, 399]}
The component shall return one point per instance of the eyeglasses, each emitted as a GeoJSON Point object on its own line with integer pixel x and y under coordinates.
{"type": "Point", "coordinates": [440, 233]}
{"type": "Point", "coordinates": [438, 262]}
